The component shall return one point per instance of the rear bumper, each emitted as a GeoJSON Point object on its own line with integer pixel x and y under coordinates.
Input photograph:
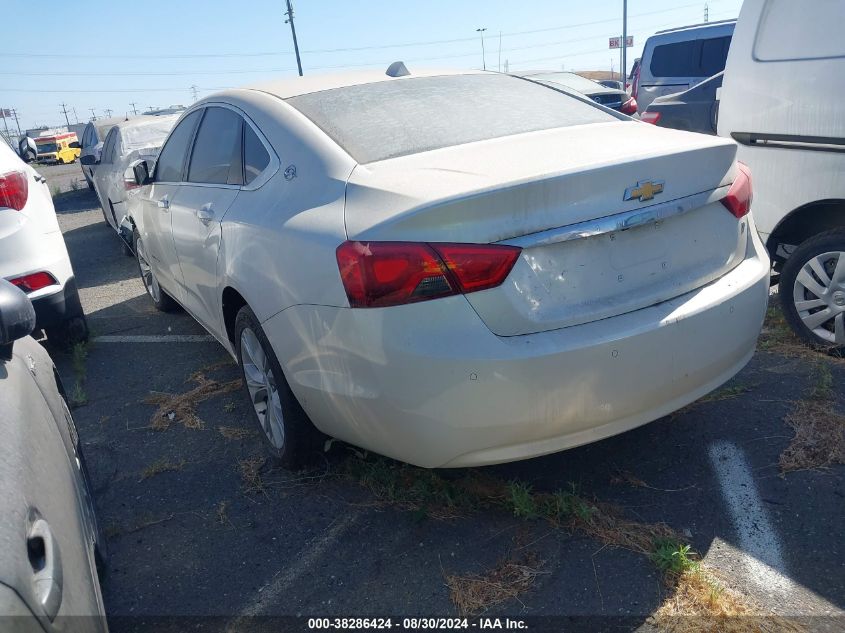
{"type": "Point", "coordinates": [431, 385]}
{"type": "Point", "coordinates": [52, 310]}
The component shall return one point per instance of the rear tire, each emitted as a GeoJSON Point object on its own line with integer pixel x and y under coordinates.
{"type": "Point", "coordinates": [812, 291]}
{"type": "Point", "coordinates": [288, 435]}
{"type": "Point", "coordinates": [68, 333]}
{"type": "Point", "coordinates": [161, 300]}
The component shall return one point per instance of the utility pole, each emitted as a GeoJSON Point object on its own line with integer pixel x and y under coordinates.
{"type": "Point", "coordinates": [135, 110]}
{"type": "Point", "coordinates": [500, 51]}
{"type": "Point", "coordinates": [64, 111]}
{"type": "Point", "coordinates": [194, 92]}
{"type": "Point", "coordinates": [18, 123]}
{"type": "Point", "coordinates": [93, 114]}
{"type": "Point", "coordinates": [483, 57]}
{"type": "Point", "coordinates": [108, 112]}
{"type": "Point", "coordinates": [289, 13]}
{"type": "Point", "coordinates": [706, 12]}
{"type": "Point", "coordinates": [506, 65]}
{"type": "Point", "coordinates": [623, 70]}
{"type": "Point", "coordinates": [75, 115]}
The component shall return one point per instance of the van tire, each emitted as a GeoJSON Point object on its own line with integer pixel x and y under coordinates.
{"type": "Point", "coordinates": [790, 291]}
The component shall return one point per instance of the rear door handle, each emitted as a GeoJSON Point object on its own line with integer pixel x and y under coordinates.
{"type": "Point", "coordinates": [46, 563]}
{"type": "Point", "coordinates": [164, 203]}
{"type": "Point", "coordinates": [205, 213]}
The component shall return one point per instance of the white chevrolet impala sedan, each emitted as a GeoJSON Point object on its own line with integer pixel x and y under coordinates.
{"type": "Point", "coordinates": [452, 268]}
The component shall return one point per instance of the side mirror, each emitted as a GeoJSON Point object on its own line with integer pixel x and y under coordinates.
{"type": "Point", "coordinates": [17, 317]}
{"type": "Point", "coordinates": [88, 159]}
{"type": "Point", "coordinates": [75, 145]}
{"type": "Point", "coordinates": [140, 174]}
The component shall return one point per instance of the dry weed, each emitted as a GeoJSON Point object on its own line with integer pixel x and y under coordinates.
{"type": "Point", "coordinates": [182, 407]}
{"type": "Point", "coordinates": [250, 470]}
{"type": "Point", "coordinates": [475, 593]}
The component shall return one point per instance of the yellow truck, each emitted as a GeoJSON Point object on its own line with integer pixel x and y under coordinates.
{"type": "Point", "coordinates": [57, 148]}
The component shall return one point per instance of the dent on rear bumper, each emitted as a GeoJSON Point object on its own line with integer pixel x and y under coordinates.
{"type": "Point", "coordinates": [429, 384]}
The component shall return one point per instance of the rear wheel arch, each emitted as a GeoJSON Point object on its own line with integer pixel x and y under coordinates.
{"type": "Point", "coordinates": [805, 222]}
{"type": "Point", "coordinates": [232, 302]}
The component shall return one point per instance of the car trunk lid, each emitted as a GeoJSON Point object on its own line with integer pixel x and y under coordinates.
{"type": "Point", "coordinates": [587, 253]}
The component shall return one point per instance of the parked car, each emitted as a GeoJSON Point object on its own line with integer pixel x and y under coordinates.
{"type": "Point", "coordinates": [51, 541]}
{"type": "Point", "coordinates": [635, 69]}
{"type": "Point", "coordinates": [92, 144]}
{"type": "Point", "coordinates": [612, 83]}
{"type": "Point", "coordinates": [27, 149]}
{"type": "Point", "coordinates": [674, 60]}
{"type": "Point", "coordinates": [394, 263]}
{"type": "Point", "coordinates": [793, 138]}
{"type": "Point", "coordinates": [695, 110]}
{"type": "Point", "coordinates": [33, 255]}
{"type": "Point", "coordinates": [609, 97]}
{"type": "Point", "coordinates": [135, 139]}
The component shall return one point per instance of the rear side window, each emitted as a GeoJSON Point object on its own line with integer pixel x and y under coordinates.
{"type": "Point", "coordinates": [217, 148]}
{"type": "Point", "coordinates": [693, 58]}
{"type": "Point", "coordinates": [172, 158]}
{"type": "Point", "coordinates": [791, 30]}
{"type": "Point", "coordinates": [107, 155]}
{"type": "Point", "coordinates": [394, 118]}
{"type": "Point", "coordinates": [87, 141]}
{"type": "Point", "coordinates": [256, 157]}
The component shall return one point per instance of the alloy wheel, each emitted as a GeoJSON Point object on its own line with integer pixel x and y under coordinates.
{"type": "Point", "coordinates": [263, 391]}
{"type": "Point", "coordinates": [819, 296]}
{"type": "Point", "coordinates": [147, 275]}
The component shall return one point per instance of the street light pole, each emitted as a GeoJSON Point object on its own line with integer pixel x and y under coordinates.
{"type": "Point", "coordinates": [483, 56]}
{"type": "Point", "coordinates": [293, 33]}
{"type": "Point", "coordinates": [623, 72]}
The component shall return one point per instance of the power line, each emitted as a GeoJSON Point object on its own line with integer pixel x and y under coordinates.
{"type": "Point", "coordinates": [342, 50]}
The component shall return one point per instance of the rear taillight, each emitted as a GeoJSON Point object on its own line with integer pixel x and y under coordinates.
{"type": "Point", "coordinates": [738, 200]}
{"type": "Point", "coordinates": [635, 83]}
{"type": "Point", "coordinates": [629, 107]}
{"type": "Point", "coordinates": [380, 274]}
{"type": "Point", "coordinates": [33, 282]}
{"type": "Point", "coordinates": [14, 190]}
{"type": "Point", "coordinates": [650, 117]}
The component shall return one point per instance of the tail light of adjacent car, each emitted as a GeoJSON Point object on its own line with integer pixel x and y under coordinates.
{"type": "Point", "coordinates": [629, 107]}
{"type": "Point", "coordinates": [650, 117]}
{"type": "Point", "coordinates": [380, 274]}
{"type": "Point", "coordinates": [14, 189]}
{"type": "Point", "coordinates": [34, 281]}
{"type": "Point", "coordinates": [738, 200]}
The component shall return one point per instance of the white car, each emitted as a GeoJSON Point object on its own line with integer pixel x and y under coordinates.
{"type": "Point", "coordinates": [781, 99]}
{"type": "Point", "coordinates": [33, 255]}
{"type": "Point", "coordinates": [452, 268]}
{"type": "Point", "coordinates": [139, 138]}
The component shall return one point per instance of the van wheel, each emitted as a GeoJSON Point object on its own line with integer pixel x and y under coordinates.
{"type": "Point", "coordinates": [289, 436]}
{"type": "Point", "coordinates": [161, 300]}
{"type": "Point", "coordinates": [812, 290]}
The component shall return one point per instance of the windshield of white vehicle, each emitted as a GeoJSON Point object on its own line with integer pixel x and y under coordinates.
{"type": "Point", "coordinates": [570, 80]}
{"type": "Point", "coordinates": [388, 119]}
{"type": "Point", "coordinates": [147, 134]}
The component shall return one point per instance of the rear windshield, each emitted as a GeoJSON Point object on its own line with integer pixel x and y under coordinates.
{"type": "Point", "coordinates": [388, 119]}
{"type": "Point", "coordinates": [570, 80]}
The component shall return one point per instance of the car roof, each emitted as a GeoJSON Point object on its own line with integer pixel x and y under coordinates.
{"type": "Point", "coordinates": [702, 25]}
{"type": "Point", "coordinates": [295, 86]}
{"type": "Point", "coordinates": [145, 119]}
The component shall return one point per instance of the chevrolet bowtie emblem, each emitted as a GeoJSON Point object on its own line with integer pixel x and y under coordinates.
{"type": "Point", "coordinates": [644, 190]}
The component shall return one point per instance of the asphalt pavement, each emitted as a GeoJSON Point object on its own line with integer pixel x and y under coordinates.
{"type": "Point", "coordinates": [198, 525]}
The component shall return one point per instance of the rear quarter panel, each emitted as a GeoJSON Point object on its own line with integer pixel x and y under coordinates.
{"type": "Point", "coordinates": [279, 241]}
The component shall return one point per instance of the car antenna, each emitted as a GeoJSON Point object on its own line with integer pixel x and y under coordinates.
{"type": "Point", "coordinates": [397, 69]}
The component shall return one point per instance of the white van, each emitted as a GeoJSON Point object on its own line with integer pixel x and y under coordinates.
{"type": "Point", "coordinates": [783, 101]}
{"type": "Point", "coordinates": [677, 59]}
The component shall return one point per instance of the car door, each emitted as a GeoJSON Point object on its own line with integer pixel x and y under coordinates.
{"type": "Point", "coordinates": [214, 177]}
{"type": "Point", "coordinates": [156, 202]}
{"type": "Point", "coordinates": [101, 176]}
{"type": "Point", "coordinates": [47, 557]}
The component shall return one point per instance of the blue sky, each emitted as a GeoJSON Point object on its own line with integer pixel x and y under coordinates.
{"type": "Point", "coordinates": [151, 52]}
